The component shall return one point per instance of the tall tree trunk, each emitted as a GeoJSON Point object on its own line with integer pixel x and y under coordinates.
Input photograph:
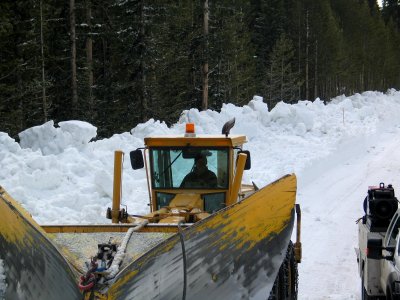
{"type": "Point", "coordinates": [270, 106]}
{"type": "Point", "coordinates": [316, 71]}
{"type": "Point", "coordinates": [307, 53]}
{"type": "Point", "coordinates": [363, 78]}
{"type": "Point", "coordinates": [299, 59]}
{"type": "Point", "coordinates": [89, 56]}
{"type": "Point", "coordinates": [282, 78]}
{"type": "Point", "coordinates": [142, 66]}
{"type": "Point", "coordinates": [204, 104]}
{"type": "Point", "coordinates": [74, 87]}
{"type": "Point", "coordinates": [22, 115]}
{"type": "Point", "coordinates": [44, 100]}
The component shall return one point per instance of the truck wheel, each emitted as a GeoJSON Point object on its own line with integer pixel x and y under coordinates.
{"type": "Point", "coordinates": [393, 292]}
{"type": "Point", "coordinates": [364, 295]}
{"type": "Point", "coordinates": [277, 292]}
{"type": "Point", "coordinates": [389, 294]}
{"type": "Point", "coordinates": [286, 283]}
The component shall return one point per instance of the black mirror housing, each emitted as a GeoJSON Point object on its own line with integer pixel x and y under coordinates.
{"type": "Point", "coordinates": [137, 161]}
{"type": "Point", "coordinates": [374, 249]}
{"type": "Point", "coordinates": [247, 165]}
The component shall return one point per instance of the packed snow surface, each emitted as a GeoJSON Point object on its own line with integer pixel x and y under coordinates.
{"type": "Point", "coordinates": [61, 174]}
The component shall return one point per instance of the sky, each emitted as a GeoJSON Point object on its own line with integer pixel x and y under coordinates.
{"type": "Point", "coordinates": [62, 174]}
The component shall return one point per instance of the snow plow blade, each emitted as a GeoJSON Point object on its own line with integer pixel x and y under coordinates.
{"type": "Point", "coordinates": [236, 253]}
{"type": "Point", "coordinates": [34, 268]}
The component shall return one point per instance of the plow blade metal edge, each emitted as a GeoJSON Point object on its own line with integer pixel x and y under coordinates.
{"type": "Point", "coordinates": [34, 268]}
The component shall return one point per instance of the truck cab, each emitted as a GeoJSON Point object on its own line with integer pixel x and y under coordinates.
{"type": "Point", "coordinates": [192, 176]}
{"type": "Point", "coordinates": [378, 252]}
{"type": "Point", "coordinates": [390, 261]}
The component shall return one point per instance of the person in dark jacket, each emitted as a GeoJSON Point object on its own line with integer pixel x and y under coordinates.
{"type": "Point", "coordinates": [200, 176]}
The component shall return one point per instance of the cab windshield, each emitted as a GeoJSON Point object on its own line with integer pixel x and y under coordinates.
{"type": "Point", "coordinates": [189, 168]}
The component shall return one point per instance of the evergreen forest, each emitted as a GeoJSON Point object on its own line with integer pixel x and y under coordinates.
{"type": "Point", "coordinates": [117, 63]}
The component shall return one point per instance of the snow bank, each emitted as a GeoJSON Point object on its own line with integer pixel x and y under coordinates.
{"type": "Point", "coordinates": [60, 174]}
{"type": "Point", "coordinates": [51, 140]}
{"type": "Point", "coordinates": [148, 128]}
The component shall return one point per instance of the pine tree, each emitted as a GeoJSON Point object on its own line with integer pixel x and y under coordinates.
{"type": "Point", "coordinates": [391, 12]}
{"type": "Point", "coordinates": [282, 80]}
{"type": "Point", "coordinates": [231, 55]}
{"type": "Point", "coordinates": [141, 59]}
{"type": "Point", "coordinates": [178, 46]}
{"type": "Point", "coordinates": [57, 53]}
{"type": "Point", "coordinates": [22, 54]}
{"type": "Point", "coordinates": [267, 23]}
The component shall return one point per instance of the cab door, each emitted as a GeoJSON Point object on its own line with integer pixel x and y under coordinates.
{"type": "Point", "coordinates": [396, 258]}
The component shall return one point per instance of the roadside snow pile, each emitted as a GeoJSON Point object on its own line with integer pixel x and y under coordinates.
{"type": "Point", "coordinates": [145, 129]}
{"type": "Point", "coordinates": [3, 284]}
{"type": "Point", "coordinates": [59, 174]}
{"type": "Point", "coordinates": [51, 140]}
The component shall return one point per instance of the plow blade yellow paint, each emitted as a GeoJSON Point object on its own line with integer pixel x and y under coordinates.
{"type": "Point", "coordinates": [235, 253]}
{"type": "Point", "coordinates": [34, 268]}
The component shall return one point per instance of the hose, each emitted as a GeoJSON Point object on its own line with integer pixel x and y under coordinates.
{"type": "Point", "coordinates": [119, 256]}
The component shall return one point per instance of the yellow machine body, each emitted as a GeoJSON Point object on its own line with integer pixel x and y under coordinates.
{"type": "Point", "coordinates": [182, 247]}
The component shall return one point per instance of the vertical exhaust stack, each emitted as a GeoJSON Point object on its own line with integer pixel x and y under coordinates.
{"type": "Point", "coordinates": [297, 245]}
{"type": "Point", "coordinates": [237, 181]}
{"type": "Point", "coordinates": [117, 188]}
{"type": "Point", "coordinates": [226, 129]}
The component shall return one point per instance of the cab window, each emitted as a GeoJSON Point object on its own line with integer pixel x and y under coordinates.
{"type": "Point", "coordinates": [214, 202]}
{"type": "Point", "coordinates": [183, 167]}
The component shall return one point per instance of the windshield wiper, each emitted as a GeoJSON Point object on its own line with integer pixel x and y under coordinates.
{"type": "Point", "coordinates": [169, 166]}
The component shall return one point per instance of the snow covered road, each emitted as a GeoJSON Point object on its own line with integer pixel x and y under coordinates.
{"type": "Point", "coordinates": [331, 192]}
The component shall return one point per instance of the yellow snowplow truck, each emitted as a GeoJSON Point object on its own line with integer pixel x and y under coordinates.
{"type": "Point", "coordinates": [207, 235]}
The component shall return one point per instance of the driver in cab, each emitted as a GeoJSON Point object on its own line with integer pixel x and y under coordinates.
{"type": "Point", "coordinates": [200, 176]}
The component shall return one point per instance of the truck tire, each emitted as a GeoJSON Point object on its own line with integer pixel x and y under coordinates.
{"type": "Point", "coordinates": [286, 283]}
{"type": "Point", "coordinates": [393, 292]}
{"type": "Point", "coordinates": [388, 294]}
{"type": "Point", "coordinates": [277, 292]}
{"type": "Point", "coordinates": [364, 295]}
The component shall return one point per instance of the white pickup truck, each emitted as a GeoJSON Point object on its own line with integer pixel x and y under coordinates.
{"type": "Point", "coordinates": [378, 253]}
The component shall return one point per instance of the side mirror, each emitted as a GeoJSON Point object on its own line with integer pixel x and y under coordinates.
{"type": "Point", "coordinates": [137, 161]}
{"type": "Point", "coordinates": [391, 250]}
{"type": "Point", "coordinates": [374, 249]}
{"type": "Point", "coordinates": [247, 166]}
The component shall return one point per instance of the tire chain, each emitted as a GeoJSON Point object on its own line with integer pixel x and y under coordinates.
{"type": "Point", "coordinates": [281, 288]}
